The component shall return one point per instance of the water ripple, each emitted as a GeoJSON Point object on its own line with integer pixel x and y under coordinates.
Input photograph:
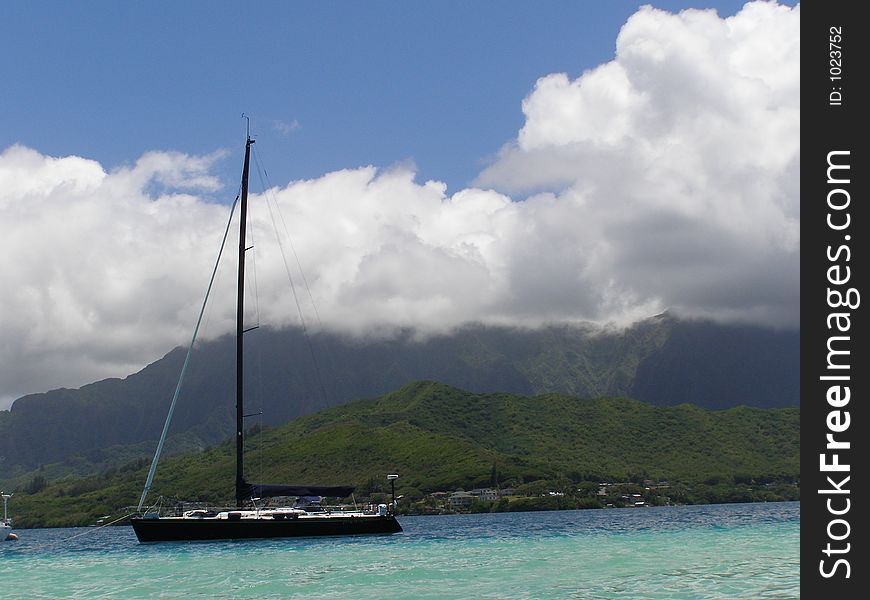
{"type": "Point", "coordinates": [724, 551]}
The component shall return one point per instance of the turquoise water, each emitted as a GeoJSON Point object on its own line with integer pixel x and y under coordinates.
{"type": "Point", "coordinates": [719, 551]}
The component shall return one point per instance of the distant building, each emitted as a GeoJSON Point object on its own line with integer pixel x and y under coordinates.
{"type": "Point", "coordinates": [485, 494]}
{"type": "Point", "coordinates": [460, 499]}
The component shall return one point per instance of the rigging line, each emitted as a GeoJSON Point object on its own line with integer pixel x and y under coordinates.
{"type": "Point", "coordinates": [253, 441]}
{"type": "Point", "coordinates": [329, 354]}
{"type": "Point", "coordinates": [280, 244]}
{"type": "Point", "coordinates": [295, 255]}
{"type": "Point", "coordinates": [290, 278]}
{"type": "Point", "coordinates": [217, 281]}
{"type": "Point", "coordinates": [154, 462]}
{"type": "Point", "coordinates": [313, 354]}
{"type": "Point", "coordinates": [259, 436]}
{"type": "Point", "coordinates": [78, 535]}
{"type": "Point", "coordinates": [252, 272]}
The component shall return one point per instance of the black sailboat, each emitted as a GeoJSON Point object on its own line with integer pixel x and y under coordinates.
{"type": "Point", "coordinates": [246, 520]}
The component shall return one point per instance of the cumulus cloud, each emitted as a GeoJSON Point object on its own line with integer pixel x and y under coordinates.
{"type": "Point", "coordinates": [681, 158]}
{"type": "Point", "coordinates": [664, 179]}
{"type": "Point", "coordinates": [99, 274]}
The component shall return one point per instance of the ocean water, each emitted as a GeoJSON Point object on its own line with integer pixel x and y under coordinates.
{"type": "Point", "coordinates": [717, 551]}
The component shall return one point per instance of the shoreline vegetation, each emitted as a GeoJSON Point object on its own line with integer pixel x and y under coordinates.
{"type": "Point", "coordinates": [589, 495]}
{"type": "Point", "coordinates": [512, 453]}
{"type": "Point", "coordinates": [538, 495]}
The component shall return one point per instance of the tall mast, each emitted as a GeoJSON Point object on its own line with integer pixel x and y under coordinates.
{"type": "Point", "coordinates": [240, 324]}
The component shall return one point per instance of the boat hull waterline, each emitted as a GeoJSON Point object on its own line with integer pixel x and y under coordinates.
{"type": "Point", "coordinates": [179, 529]}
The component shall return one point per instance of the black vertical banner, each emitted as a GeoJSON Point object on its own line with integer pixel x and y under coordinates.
{"type": "Point", "coordinates": [834, 225]}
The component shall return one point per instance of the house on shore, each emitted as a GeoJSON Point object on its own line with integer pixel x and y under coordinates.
{"type": "Point", "coordinates": [460, 499]}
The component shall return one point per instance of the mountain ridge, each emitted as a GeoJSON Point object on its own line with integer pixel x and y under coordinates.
{"type": "Point", "coordinates": [661, 361]}
{"type": "Point", "coordinates": [436, 437]}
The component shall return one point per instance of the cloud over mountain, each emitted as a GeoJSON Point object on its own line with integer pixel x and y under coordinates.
{"type": "Point", "coordinates": [666, 178]}
{"type": "Point", "coordinates": [681, 159]}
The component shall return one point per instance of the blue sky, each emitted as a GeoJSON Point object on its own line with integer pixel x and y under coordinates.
{"type": "Point", "coordinates": [435, 164]}
{"type": "Point", "coordinates": [329, 84]}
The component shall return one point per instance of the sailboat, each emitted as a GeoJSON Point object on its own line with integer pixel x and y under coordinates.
{"type": "Point", "coordinates": [247, 520]}
{"type": "Point", "coordinates": [6, 523]}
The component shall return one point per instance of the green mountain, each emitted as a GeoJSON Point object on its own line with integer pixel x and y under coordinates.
{"type": "Point", "coordinates": [661, 361]}
{"type": "Point", "coordinates": [440, 438]}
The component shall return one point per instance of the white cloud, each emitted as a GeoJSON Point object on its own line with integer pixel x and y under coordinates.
{"type": "Point", "coordinates": [99, 275]}
{"type": "Point", "coordinates": [682, 159]}
{"type": "Point", "coordinates": [671, 179]}
{"type": "Point", "coordinates": [285, 128]}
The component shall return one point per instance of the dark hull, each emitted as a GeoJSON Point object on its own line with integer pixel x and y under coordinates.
{"type": "Point", "coordinates": [181, 530]}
